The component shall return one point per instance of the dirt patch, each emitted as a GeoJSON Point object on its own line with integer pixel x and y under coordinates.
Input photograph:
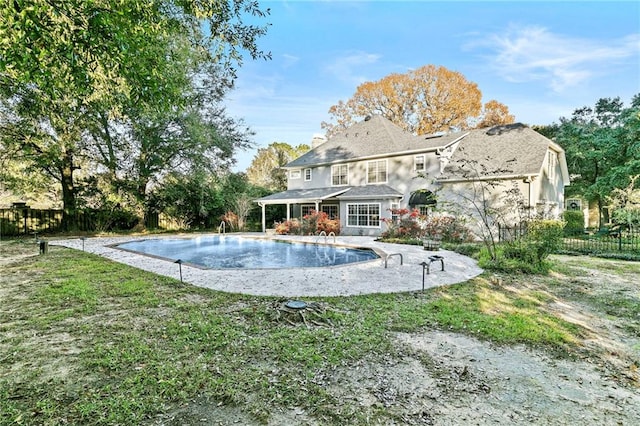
{"type": "Point", "coordinates": [443, 378]}
{"type": "Point", "coordinates": [450, 379]}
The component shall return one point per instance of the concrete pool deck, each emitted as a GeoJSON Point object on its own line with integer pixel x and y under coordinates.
{"type": "Point", "coordinates": [345, 280]}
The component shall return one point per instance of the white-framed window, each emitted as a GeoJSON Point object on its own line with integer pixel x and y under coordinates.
{"type": "Point", "coordinates": [331, 210]}
{"type": "Point", "coordinates": [394, 215]}
{"type": "Point", "coordinates": [294, 174]}
{"type": "Point", "coordinates": [365, 215]}
{"type": "Point", "coordinates": [340, 175]}
{"type": "Point", "coordinates": [306, 209]}
{"type": "Point", "coordinates": [424, 210]}
{"type": "Point", "coordinates": [552, 162]}
{"type": "Point", "coordinates": [307, 175]}
{"type": "Point", "coordinates": [377, 171]}
{"type": "Point", "coordinates": [419, 163]}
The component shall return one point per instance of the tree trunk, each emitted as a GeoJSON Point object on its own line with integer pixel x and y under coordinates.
{"type": "Point", "coordinates": [69, 222]}
{"type": "Point", "coordinates": [142, 197]}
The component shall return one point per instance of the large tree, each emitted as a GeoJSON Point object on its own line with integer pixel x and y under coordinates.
{"type": "Point", "coordinates": [66, 64]}
{"type": "Point", "coordinates": [495, 114]}
{"type": "Point", "coordinates": [602, 145]}
{"type": "Point", "coordinates": [426, 100]}
{"type": "Point", "coordinates": [266, 167]}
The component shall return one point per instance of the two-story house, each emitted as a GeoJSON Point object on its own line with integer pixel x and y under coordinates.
{"type": "Point", "coordinates": [374, 166]}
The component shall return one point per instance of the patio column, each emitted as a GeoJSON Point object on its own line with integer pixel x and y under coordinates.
{"type": "Point", "coordinates": [264, 218]}
{"type": "Point", "coordinates": [288, 212]}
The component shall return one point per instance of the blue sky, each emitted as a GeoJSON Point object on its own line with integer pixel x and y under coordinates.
{"type": "Point", "coordinates": [542, 59]}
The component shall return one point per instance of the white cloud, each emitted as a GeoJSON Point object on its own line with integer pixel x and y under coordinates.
{"type": "Point", "coordinates": [349, 68]}
{"type": "Point", "coordinates": [289, 60]}
{"type": "Point", "coordinates": [533, 53]}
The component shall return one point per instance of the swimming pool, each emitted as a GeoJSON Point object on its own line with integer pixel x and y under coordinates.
{"type": "Point", "coordinates": [230, 252]}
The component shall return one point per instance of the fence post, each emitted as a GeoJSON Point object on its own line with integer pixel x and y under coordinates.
{"type": "Point", "coordinates": [620, 240]}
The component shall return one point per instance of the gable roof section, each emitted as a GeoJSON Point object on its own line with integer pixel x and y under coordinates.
{"type": "Point", "coordinates": [374, 137]}
{"type": "Point", "coordinates": [499, 152]}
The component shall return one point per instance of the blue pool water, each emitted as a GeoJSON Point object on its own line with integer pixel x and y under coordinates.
{"type": "Point", "coordinates": [221, 251]}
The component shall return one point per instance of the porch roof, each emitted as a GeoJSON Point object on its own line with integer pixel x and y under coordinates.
{"type": "Point", "coordinates": [369, 192]}
{"type": "Point", "coordinates": [296, 196]}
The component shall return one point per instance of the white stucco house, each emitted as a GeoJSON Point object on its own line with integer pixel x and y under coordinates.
{"type": "Point", "coordinates": [374, 166]}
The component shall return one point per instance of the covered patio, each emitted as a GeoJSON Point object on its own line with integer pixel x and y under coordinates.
{"type": "Point", "coordinates": [291, 197]}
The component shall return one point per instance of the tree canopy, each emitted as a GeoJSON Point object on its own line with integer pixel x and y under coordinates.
{"type": "Point", "coordinates": [426, 100]}
{"type": "Point", "coordinates": [602, 145]}
{"type": "Point", "coordinates": [120, 86]}
{"type": "Point", "coordinates": [265, 169]}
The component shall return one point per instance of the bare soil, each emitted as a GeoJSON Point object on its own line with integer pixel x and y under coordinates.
{"type": "Point", "coordinates": [444, 378]}
{"type": "Point", "coordinates": [452, 379]}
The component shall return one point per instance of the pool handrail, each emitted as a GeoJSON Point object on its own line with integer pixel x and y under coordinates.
{"type": "Point", "coordinates": [326, 236]}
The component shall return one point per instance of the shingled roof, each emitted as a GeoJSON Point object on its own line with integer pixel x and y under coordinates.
{"type": "Point", "coordinates": [508, 150]}
{"type": "Point", "coordinates": [372, 137]}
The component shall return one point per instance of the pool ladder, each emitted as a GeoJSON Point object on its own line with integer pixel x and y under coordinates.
{"type": "Point", "coordinates": [222, 228]}
{"type": "Point", "coordinates": [323, 233]}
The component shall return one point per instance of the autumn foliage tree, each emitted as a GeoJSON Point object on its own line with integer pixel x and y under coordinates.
{"type": "Point", "coordinates": [495, 114]}
{"type": "Point", "coordinates": [426, 100]}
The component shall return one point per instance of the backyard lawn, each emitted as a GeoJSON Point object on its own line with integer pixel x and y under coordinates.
{"type": "Point", "coordinates": [84, 340]}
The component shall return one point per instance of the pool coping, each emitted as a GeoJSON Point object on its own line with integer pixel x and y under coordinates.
{"type": "Point", "coordinates": [389, 274]}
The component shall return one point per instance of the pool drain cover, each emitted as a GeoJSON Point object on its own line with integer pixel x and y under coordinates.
{"type": "Point", "coordinates": [295, 304]}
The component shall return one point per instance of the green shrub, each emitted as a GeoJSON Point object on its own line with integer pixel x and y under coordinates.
{"type": "Point", "coordinates": [544, 236]}
{"type": "Point", "coordinates": [7, 227]}
{"type": "Point", "coordinates": [466, 249]}
{"type": "Point", "coordinates": [511, 258]}
{"type": "Point", "coordinates": [112, 219]}
{"type": "Point", "coordinates": [529, 253]}
{"type": "Point", "coordinates": [405, 240]}
{"type": "Point", "coordinates": [574, 222]}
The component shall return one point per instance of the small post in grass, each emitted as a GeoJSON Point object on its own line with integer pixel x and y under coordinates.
{"type": "Point", "coordinates": [179, 262]}
{"type": "Point", "coordinates": [83, 238]}
{"type": "Point", "coordinates": [425, 267]}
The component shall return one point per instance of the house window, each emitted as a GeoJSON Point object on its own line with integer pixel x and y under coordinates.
{"type": "Point", "coordinates": [363, 215]}
{"type": "Point", "coordinates": [424, 210]}
{"type": "Point", "coordinates": [339, 175]}
{"type": "Point", "coordinates": [394, 212]}
{"type": "Point", "coordinates": [307, 175]}
{"type": "Point", "coordinates": [552, 161]}
{"type": "Point", "coordinates": [307, 209]}
{"type": "Point", "coordinates": [419, 163]}
{"type": "Point", "coordinates": [331, 210]}
{"type": "Point", "coordinates": [377, 171]}
{"type": "Point", "coordinates": [294, 174]}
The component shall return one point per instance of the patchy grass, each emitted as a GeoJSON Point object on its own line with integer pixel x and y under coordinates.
{"type": "Point", "coordinates": [87, 341]}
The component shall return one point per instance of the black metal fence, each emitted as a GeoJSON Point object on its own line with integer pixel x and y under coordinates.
{"type": "Point", "coordinates": [605, 241]}
{"type": "Point", "coordinates": [512, 233]}
{"type": "Point", "coordinates": [21, 221]}
{"type": "Point", "coordinates": [25, 221]}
